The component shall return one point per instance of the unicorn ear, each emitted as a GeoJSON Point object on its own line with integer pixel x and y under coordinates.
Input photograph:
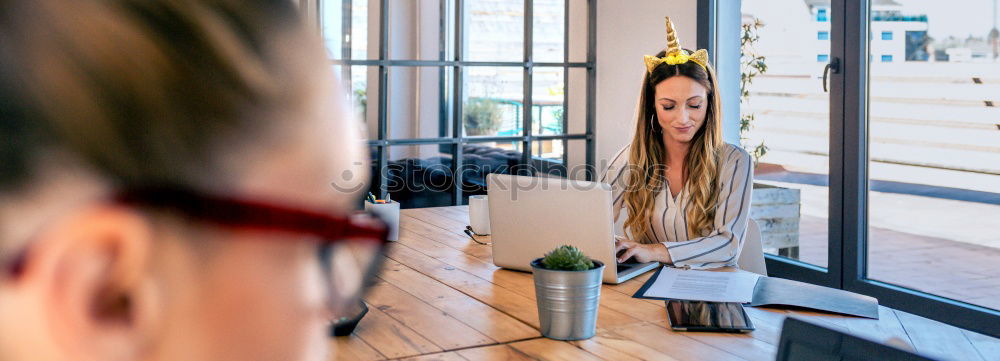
{"type": "Point", "coordinates": [652, 62]}
{"type": "Point", "coordinates": [700, 57]}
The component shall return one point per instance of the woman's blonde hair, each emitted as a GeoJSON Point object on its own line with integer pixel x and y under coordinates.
{"type": "Point", "coordinates": [647, 155]}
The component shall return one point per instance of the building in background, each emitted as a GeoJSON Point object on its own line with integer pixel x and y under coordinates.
{"type": "Point", "coordinates": [895, 35]}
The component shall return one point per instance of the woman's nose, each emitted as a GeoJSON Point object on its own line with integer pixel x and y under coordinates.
{"type": "Point", "coordinates": [684, 117]}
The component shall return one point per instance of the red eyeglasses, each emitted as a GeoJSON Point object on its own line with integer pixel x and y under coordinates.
{"type": "Point", "coordinates": [350, 247]}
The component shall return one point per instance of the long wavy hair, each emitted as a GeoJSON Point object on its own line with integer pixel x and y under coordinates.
{"type": "Point", "coordinates": [648, 155]}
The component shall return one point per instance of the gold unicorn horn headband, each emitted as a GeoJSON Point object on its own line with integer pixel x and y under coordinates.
{"type": "Point", "coordinates": [675, 54]}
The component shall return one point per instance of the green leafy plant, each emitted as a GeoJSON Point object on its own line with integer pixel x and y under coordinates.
{"type": "Point", "coordinates": [752, 64]}
{"type": "Point", "coordinates": [567, 258]}
{"type": "Point", "coordinates": [361, 100]}
{"type": "Point", "coordinates": [482, 116]}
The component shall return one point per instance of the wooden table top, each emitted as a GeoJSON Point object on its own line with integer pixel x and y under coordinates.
{"type": "Point", "coordinates": [439, 297]}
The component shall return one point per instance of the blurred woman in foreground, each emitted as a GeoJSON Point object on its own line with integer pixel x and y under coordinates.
{"type": "Point", "coordinates": [165, 171]}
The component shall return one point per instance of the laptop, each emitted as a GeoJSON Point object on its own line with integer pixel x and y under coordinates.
{"type": "Point", "coordinates": [801, 340]}
{"type": "Point", "coordinates": [530, 216]}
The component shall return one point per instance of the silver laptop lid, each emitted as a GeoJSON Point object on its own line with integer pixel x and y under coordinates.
{"type": "Point", "coordinates": [530, 216]}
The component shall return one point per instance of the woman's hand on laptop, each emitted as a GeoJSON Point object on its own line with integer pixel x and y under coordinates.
{"type": "Point", "coordinates": [643, 253]}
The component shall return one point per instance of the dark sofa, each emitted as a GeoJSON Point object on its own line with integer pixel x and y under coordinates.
{"type": "Point", "coordinates": [417, 183]}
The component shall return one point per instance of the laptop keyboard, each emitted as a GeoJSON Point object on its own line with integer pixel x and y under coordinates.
{"type": "Point", "coordinates": [625, 266]}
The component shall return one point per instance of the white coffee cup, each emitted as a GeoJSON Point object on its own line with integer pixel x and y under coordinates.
{"type": "Point", "coordinates": [389, 213]}
{"type": "Point", "coordinates": [479, 214]}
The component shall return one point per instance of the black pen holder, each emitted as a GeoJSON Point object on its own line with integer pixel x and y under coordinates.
{"type": "Point", "coordinates": [344, 326]}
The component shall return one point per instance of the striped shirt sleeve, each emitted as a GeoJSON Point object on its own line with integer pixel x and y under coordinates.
{"type": "Point", "coordinates": [723, 244]}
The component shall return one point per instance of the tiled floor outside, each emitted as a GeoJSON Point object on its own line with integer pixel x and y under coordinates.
{"type": "Point", "coordinates": [961, 271]}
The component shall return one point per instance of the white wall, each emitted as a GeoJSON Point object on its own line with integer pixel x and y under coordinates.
{"type": "Point", "coordinates": [627, 30]}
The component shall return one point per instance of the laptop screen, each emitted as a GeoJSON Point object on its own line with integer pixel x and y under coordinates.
{"type": "Point", "coordinates": [802, 340]}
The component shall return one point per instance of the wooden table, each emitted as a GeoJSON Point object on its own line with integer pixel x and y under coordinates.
{"type": "Point", "coordinates": [439, 297]}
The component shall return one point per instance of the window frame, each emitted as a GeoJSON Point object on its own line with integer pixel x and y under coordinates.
{"type": "Point", "coordinates": [452, 89]}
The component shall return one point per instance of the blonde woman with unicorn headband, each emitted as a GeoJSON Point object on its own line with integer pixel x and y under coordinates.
{"type": "Point", "coordinates": [685, 193]}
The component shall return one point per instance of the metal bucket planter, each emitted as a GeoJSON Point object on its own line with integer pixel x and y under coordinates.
{"type": "Point", "coordinates": [567, 301]}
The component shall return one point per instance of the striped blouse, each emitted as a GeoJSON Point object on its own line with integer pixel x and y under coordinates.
{"type": "Point", "coordinates": [717, 247]}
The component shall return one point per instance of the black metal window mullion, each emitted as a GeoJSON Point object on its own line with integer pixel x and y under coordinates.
{"type": "Point", "coordinates": [383, 80]}
{"type": "Point", "coordinates": [591, 85]}
{"type": "Point", "coordinates": [526, 119]}
{"type": "Point", "coordinates": [840, 121]}
{"type": "Point", "coordinates": [443, 106]}
{"type": "Point", "coordinates": [347, 10]}
{"type": "Point", "coordinates": [850, 166]}
{"type": "Point", "coordinates": [565, 102]}
{"type": "Point", "coordinates": [457, 116]}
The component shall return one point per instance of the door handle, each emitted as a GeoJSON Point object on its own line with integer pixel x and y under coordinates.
{"type": "Point", "coordinates": [833, 65]}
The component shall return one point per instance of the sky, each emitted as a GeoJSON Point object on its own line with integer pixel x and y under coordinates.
{"type": "Point", "coordinates": [958, 18]}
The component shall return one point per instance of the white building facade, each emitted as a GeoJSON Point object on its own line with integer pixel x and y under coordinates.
{"type": "Point", "coordinates": [894, 36]}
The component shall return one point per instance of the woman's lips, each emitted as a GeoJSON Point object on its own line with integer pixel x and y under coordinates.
{"type": "Point", "coordinates": [684, 129]}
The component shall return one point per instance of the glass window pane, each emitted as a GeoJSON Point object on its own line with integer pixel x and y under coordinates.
{"type": "Point", "coordinates": [493, 101]}
{"type": "Point", "coordinates": [785, 122]}
{"type": "Point", "coordinates": [414, 103]}
{"type": "Point", "coordinates": [547, 96]}
{"type": "Point", "coordinates": [361, 83]}
{"type": "Point", "coordinates": [415, 30]}
{"type": "Point", "coordinates": [346, 27]}
{"type": "Point", "coordinates": [374, 176]}
{"type": "Point", "coordinates": [420, 175]}
{"type": "Point", "coordinates": [551, 151]}
{"type": "Point", "coordinates": [482, 158]}
{"type": "Point", "coordinates": [494, 30]}
{"type": "Point", "coordinates": [934, 149]}
{"type": "Point", "coordinates": [566, 158]}
{"type": "Point", "coordinates": [549, 29]}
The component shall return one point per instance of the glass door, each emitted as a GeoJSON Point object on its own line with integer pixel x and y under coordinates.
{"type": "Point", "coordinates": [884, 118]}
{"type": "Point", "coordinates": [785, 122]}
{"type": "Point", "coordinates": [930, 88]}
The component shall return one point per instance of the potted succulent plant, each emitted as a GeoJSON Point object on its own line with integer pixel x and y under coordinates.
{"type": "Point", "coordinates": [568, 292]}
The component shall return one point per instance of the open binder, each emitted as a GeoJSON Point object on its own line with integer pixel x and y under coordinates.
{"type": "Point", "coordinates": [779, 292]}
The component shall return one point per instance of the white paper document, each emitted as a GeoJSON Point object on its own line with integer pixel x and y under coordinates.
{"type": "Point", "coordinates": [711, 286]}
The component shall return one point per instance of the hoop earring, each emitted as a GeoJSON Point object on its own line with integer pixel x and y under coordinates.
{"type": "Point", "coordinates": [653, 126]}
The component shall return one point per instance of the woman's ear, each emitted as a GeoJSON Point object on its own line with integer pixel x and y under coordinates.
{"type": "Point", "coordinates": [89, 271]}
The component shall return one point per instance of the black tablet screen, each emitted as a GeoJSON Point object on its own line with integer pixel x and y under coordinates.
{"type": "Point", "coordinates": [708, 316]}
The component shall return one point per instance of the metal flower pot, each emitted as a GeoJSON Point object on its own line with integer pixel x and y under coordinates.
{"type": "Point", "coordinates": [567, 301]}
